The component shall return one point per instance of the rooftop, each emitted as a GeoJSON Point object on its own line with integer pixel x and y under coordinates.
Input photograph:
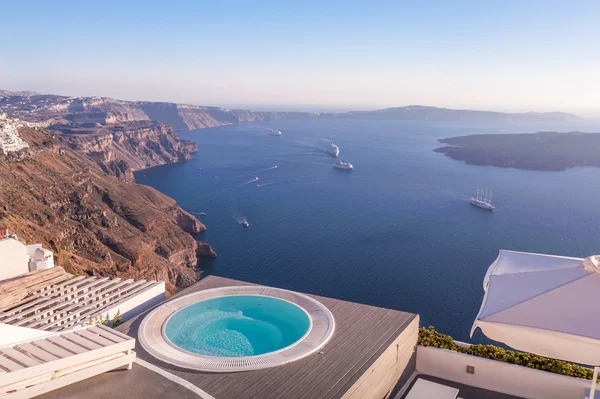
{"type": "Point", "coordinates": [373, 354]}
{"type": "Point", "coordinates": [364, 334]}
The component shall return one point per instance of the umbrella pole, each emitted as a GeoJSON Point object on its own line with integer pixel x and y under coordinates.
{"type": "Point", "coordinates": [594, 379]}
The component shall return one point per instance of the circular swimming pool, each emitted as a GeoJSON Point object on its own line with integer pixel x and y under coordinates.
{"type": "Point", "coordinates": [236, 329]}
{"type": "Point", "coordinates": [237, 325]}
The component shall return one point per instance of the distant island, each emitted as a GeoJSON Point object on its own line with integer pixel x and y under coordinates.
{"type": "Point", "coordinates": [65, 112]}
{"type": "Point", "coordinates": [551, 151]}
{"type": "Point", "coordinates": [435, 114]}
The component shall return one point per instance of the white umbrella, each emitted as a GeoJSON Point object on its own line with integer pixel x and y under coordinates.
{"type": "Point", "coordinates": [544, 304]}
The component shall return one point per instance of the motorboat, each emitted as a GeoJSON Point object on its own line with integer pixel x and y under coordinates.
{"type": "Point", "coordinates": [343, 165]}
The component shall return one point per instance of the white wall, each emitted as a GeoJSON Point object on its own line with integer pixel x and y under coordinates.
{"type": "Point", "coordinates": [139, 303]}
{"type": "Point", "coordinates": [383, 375]}
{"type": "Point", "coordinates": [13, 258]}
{"type": "Point", "coordinates": [31, 248]}
{"type": "Point", "coordinates": [13, 334]}
{"type": "Point", "coordinates": [37, 262]}
{"type": "Point", "coordinates": [44, 264]}
{"type": "Point", "coordinates": [499, 376]}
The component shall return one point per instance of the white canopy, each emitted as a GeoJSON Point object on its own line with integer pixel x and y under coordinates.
{"type": "Point", "coordinates": [543, 304]}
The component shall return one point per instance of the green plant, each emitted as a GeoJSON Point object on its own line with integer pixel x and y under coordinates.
{"type": "Point", "coordinates": [102, 320]}
{"type": "Point", "coordinates": [117, 319]}
{"type": "Point", "coordinates": [430, 337]}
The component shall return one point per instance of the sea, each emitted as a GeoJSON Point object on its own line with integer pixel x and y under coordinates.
{"type": "Point", "coordinates": [397, 232]}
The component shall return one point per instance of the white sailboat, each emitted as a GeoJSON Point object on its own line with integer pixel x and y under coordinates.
{"type": "Point", "coordinates": [483, 200]}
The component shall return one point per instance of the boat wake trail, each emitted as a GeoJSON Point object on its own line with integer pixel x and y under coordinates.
{"type": "Point", "coordinates": [255, 172]}
{"type": "Point", "coordinates": [248, 182]}
{"type": "Point", "coordinates": [289, 181]}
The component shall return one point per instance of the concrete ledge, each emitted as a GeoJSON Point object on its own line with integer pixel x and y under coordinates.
{"type": "Point", "coordinates": [493, 375]}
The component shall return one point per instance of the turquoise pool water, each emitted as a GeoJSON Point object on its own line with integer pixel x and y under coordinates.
{"type": "Point", "coordinates": [236, 326]}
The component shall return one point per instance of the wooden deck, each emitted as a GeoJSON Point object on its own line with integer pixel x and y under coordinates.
{"type": "Point", "coordinates": [370, 349]}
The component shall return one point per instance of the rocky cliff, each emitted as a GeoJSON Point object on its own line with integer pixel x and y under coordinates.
{"type": "Point", "coordinates": [90, 112]}
{"type": "Point", "coordinates": [50, 110]}
{"type": "Point", "coordinates": [191, 117]}
{"type": "Point", "coordinates": [95, 223]}
{"type": "Point", "coordinates": [121, 149]}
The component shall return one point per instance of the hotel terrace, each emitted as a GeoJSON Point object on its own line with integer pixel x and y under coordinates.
{"type": "Point", "coordinates": [57, 341]}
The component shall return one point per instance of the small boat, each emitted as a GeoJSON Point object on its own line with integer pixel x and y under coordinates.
{"type": "Point", "coordinates": [483, 200]}
{"type": "Point", "coordinates": [343, 165]}
{"type": "Point", "coordinates": [202, 213]}
{"type": "Point", "coordinates": [333, 149]}
{"type": "Point", "coordinates": [245, 223]}
{"type": "Point", "coordinates": [274, 132]}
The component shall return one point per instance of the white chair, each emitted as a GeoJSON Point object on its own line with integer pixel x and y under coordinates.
{"type": "Point", "coordinates": [31, 368]}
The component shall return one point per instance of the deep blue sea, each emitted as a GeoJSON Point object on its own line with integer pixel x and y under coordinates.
{"type": "Point", "coordinates": [396, 232]}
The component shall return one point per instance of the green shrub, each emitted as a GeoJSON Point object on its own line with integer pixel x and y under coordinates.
{"type": "Point", "coordinates": [430, 337]}
{"type": "Point", "coordinates": [117, 319]}
{"type": "Point", "coordinates": [102, 320]}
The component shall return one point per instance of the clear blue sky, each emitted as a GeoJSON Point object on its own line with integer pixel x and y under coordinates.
{"type": "Point", "coordinates": [504, 55]}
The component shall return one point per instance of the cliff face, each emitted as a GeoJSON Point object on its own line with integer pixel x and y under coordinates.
{"type": "Point", "coordinates": [191, 117]}
{"type": "Point", "coordinates": [95, 223]}
{"type": "Point", "coordinates": [51, 110]}
{"type": "Point", "coordinates": [94, 112]}
{"type": "Point", "coordinates": [121, 149]}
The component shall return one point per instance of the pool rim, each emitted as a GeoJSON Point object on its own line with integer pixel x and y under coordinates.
{"type": "Point", "coordinates": [168, 340]}
{"type": "Point", "coordinates": [150, 336]}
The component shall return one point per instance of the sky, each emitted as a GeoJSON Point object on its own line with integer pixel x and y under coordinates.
{"type": "Point", "coordinates": [311, 55]}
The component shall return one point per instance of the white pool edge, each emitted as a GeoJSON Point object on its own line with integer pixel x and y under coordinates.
{"type": "Point", "coordinates": [150, 333]}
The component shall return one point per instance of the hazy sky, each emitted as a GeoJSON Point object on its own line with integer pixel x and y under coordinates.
{"type": "Point", "coordinates": [501, 55]}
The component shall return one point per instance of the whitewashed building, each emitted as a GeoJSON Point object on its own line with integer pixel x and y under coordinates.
{"type": "Point", "coordinates": [17, 258]}
{"type": "Point", "coordinates": [10, 140]}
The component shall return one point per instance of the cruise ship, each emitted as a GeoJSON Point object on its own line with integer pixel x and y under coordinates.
{"type": "Point", "coordinates": [274, 132]}
{"type": "Point", "coordinates": [483, 200]}
{"type": "Point", "coordinates": [343, 165]}
{"type": "Point", "coordinates": [333, 149]}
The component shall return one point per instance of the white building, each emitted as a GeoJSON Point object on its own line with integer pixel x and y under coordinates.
{"type": "Point", "coordinates": [17, 258]}
{"type": "Point", "coordinates": [39, 258]}
{"type": "Point", "coordinates": [10, 140]}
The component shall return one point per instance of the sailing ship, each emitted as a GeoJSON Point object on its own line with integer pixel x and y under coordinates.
{"type": "Point", "coordinates": [483, 200]}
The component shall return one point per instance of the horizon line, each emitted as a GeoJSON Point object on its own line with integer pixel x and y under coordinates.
{"type": "Point", "coordinates": [306, 107]}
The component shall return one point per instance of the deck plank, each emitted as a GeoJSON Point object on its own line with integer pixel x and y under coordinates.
{"type": "Point", "coordinates": [20, 357]}
{"type": "Point", "coordinates": [53, 349]}
{"type": "Point", "coordinates": [37, 352]}
{"type": "Point", "coordinates": [66, 344]}
{"type": "Point", "coordinates": [10, 365]}
{"type": "Point", "coordinates": [94, 337]}
{"type": "Point", "coordinates": [79, 340]}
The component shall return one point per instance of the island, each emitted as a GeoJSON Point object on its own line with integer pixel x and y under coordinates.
{"type": "Point", "coordinates": [551, 151]}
